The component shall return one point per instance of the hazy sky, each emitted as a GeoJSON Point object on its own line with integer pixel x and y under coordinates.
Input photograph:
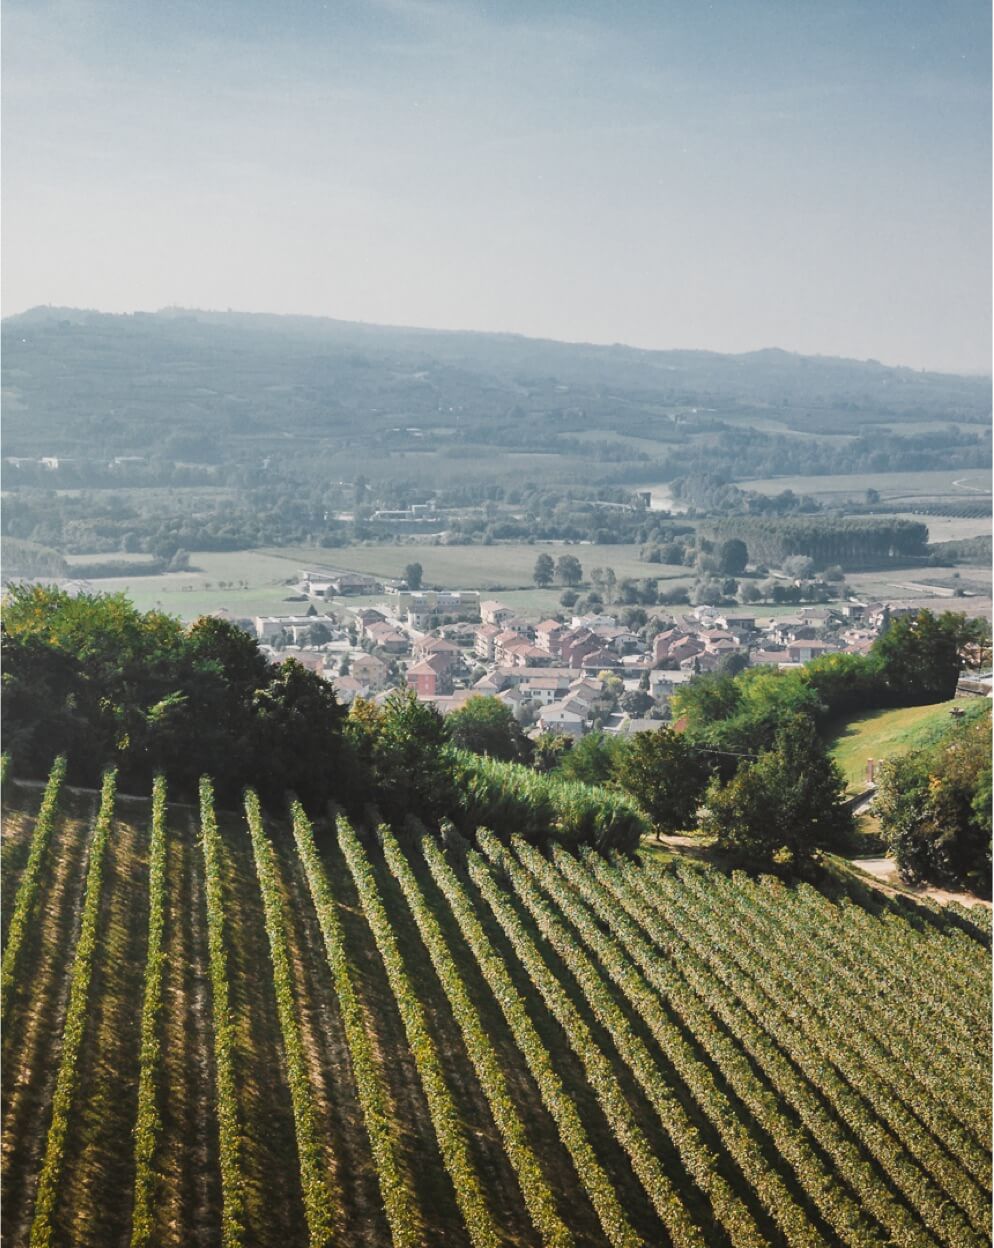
{"type": "Point", "coordinates": [806, 174]}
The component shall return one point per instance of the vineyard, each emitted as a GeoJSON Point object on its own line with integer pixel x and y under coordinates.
{"type": "Point", "coordinates": [221, 1028]}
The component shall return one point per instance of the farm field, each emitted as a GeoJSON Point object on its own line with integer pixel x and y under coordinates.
{"type": "Point", "coordinates": [253, 582]}
{"type": "Point", "coordinates": [889, 733]}
{"type": "Point", "coordinates": [959, 485]}
{"type": "Point", "coordinates": [221, 1028]}
{"type": "Point", "coordinates": [506, 564]}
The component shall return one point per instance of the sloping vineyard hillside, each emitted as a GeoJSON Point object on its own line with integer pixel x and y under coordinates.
{"type": "Point", "coordinates": [219, 1028]}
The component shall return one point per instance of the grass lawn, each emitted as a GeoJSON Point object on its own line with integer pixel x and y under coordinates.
{"type": "Point", "coordinates": [886, 734]}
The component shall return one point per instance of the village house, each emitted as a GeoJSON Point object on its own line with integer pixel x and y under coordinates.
{"type": "Point", "coordinates": [269, 627]}
{"type": "Point", "coordinates": [736, 621]}
{"type": "Point", "coordinates": [663, 684]}
{"type": "Point", "coordinates": [544, 689]}
{"type": "Point", "coordinates": [366, 616]}
{"type": "Point", "coordinates": [600, 659]}
{"type": "Point", "coordinates": [430, 677]}
{"type": "Point", "coordinates": [432, 646]}
{"type": "Point", "coordinates": [558, 717]}
{"type": "Point", "coordinates": [663, 642]}
{"type": "Point", "coordinates": [805, 651]}
{"type": "Point", "coordinates": [549, 635]}
{"type": "Point", "coordinates": [389, 639]}
{"type": "Point", "coordinates": [354, 583]}
{"type": "Point", "coordinates": [483, 645]}
{"type": "Point", "coordinates": [369, 671]}
{"type": "Point", "coordinates": [683, 649]}
{"type": "Point", "coordinates": [493, 612]}
{"type": "Point", "coordinates": [703, 661]}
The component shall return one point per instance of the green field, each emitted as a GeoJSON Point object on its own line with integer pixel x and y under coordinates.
{"type": "Point", "coordinates": [255, 582]}
{"type": "Point", "coordinates": [225, 1028]}
{"type": "Point", "coordinates": [505, 565]}
{"type": "Point", "coordinates": [959, 484]}
{"type": "Point", "coordinates": [887, 734]}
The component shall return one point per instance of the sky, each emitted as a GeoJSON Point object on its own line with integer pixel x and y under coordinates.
{"type": "Point", "coordinates": [803, 174]}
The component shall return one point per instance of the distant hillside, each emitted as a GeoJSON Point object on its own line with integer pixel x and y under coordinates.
{"type": "Point", "coordinates": [77, 380]}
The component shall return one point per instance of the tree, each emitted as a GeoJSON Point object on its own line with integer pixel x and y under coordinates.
{"type": "Point", "coordinates": [550, 748]}
{"type": "Point", "coordinates": [732, 557]}
{"type": "Point", "coordinates": [636, 702]}
{"type": "Point", "coordinates": [665, 775]}
{"type": "Point", "coordinates": [592, 758]}
{"type": "Point", "coordinates": [785, 805]}
{"type": "Point", "coordinates": [413, 573]}
{"type": "Point", "coordinates": [569, 570]}
{"type": "Point", "coordinates": [568, 598]}
{"type": "Point", "coordinates": [399, 747]}
{"type": "Point", "coordinates": [934, 808]}
{"type": "Point", "coordinates": [486, 726]}
{"type": "Point", "coordinates": [545, 570]}
{"type": "Point", "coordinates": [798, 566]}
{"type": "Point", "coordinates": [922, 655]}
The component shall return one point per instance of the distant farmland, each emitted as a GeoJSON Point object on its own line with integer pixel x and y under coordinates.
{"type": "Point", "coordinates": [220, 1028]}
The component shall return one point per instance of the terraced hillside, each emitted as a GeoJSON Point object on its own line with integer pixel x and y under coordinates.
{"type": "Point", "coordinates": [223, 1030]}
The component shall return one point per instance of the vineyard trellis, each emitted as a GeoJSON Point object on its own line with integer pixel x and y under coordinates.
{"type": "Point", "coordinates": [697, 1056]}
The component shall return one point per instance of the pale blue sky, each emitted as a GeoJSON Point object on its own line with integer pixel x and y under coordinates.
{"type": "Point", "coordinates": [809, 175]}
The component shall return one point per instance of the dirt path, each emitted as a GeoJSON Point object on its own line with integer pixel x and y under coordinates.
{"type": "Point", "coordinates": [884, 875]}
{"type": "Point", "coordinates": [32, 1037]}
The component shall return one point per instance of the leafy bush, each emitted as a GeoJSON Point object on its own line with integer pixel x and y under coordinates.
{"type": "Point", "coordinates": [513, 799]}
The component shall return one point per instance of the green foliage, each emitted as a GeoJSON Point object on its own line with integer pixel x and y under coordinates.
{"type": "Point", "coordinates": [148, 1120]}
{"type": "Point", "coordinates": [850, 541]}
{"type": "Point", "coordinates": [413, 574]}
{"type": "Point", "coordinates": [545, 570]}
{"type": "Point", "coordinates": [537, 1057]}
{"type": "Point", "coordinates": [310, 1146]}
{"type": "Point", "coordinates": [399, 748]}
{"type": "Point", "coordinates": [916, 660]}
{"type": "Point", "coordinates": [658, 1185]}
{"type": "Point", "coordinates": [568, 570]}
{"type": "Point", "coordinates": [592, 758]}
{"type": "Point", "coordinates": [732, 557]}
{"type": "Point", "coordinates": [449, 1131]}
{"type": "Point", "coordinates": [27, 891]}
{"type": "Point", "coordinates": [399, 1202]}
{"type": "Point", "coordinates": [230, 1141]}
{"type": "Point", "coordinates": [486, 726]}
{"type": "Point", "coordinates": [539, 807]}
{"type": "Point", "coordinates": [43, 1232]}
{"type": "Point", "coordinates": [665, 775]}
{"type": "Point", "coordinates": [934, 809]}
{"type": "Point", "coordinates": [486, 1062]}
{"type": "Point", "coordinates": [784, 806]}
{"type": "Point", "coordinates": [94, 678]}
{"type": "Point", "coordinates": [921, 656]}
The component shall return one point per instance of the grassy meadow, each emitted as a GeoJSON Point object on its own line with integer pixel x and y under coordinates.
{"type": "Point", "coordinates": [889, 733]}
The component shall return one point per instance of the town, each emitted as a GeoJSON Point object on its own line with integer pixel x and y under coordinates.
{"type": "Point", "coordinates": [571, 674]}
